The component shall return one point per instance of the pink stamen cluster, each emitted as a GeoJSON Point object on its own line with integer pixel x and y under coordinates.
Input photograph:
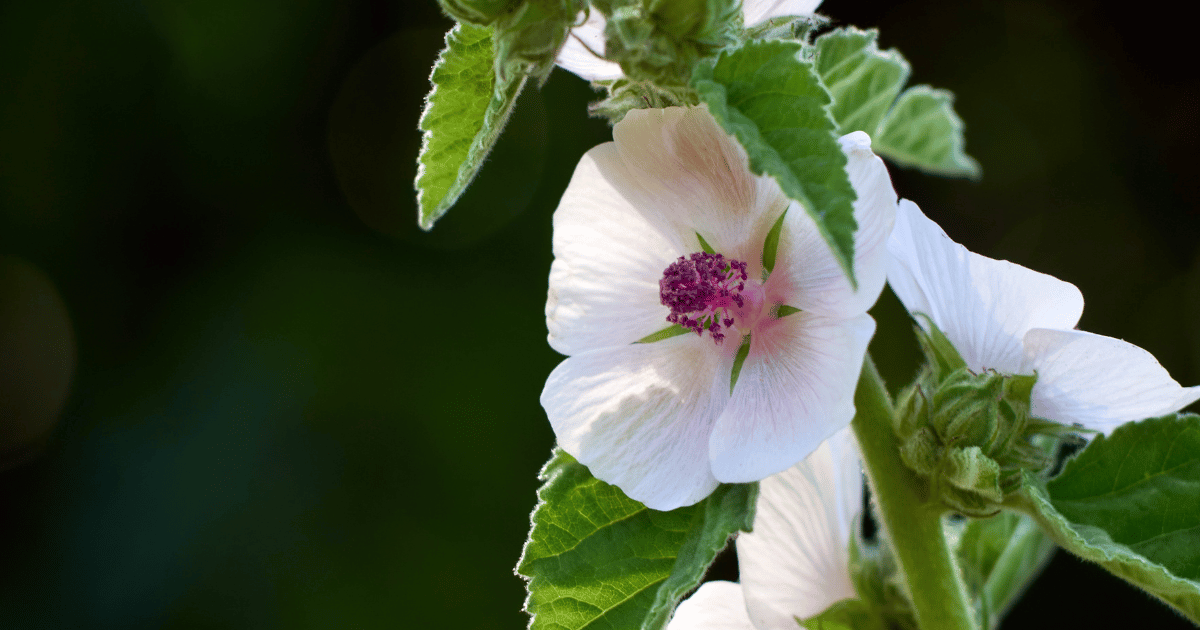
{"type": "Point", "coordinates": [702, 290]}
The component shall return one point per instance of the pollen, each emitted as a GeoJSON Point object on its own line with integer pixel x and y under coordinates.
{"type": "Point", "coordinates": [703, 290]}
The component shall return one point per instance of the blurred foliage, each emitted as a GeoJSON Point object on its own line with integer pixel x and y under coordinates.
{"type": "Point", "coordinates": [290, 408]}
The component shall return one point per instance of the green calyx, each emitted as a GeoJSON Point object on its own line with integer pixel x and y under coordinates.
{"type": "Point", "coordinates": [970, 434]}
{"type": "Point", "coordinates": [530, 33]}
{"type": "Point", "coordinates": [625, 94]}
{"type": "Point", "coordinates": [478, 12]}
{"type": "Point", "coordinates": [660, 41]}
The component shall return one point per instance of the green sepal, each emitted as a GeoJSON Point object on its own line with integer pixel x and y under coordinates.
{"type": "Point", "coordinates": [625, 95]}
{"type": "Point", "coordinates": [848, 614]}
{"type": "Point", "coordinates": [738, 360]}
{"type": "Point", "coordinates": [530, 35]}
{"type": "Point", "coordinates": [789, 27]}
{"type": "Point", "coordinates": [463, 117]}
{"type": "Point", "coordinates": [596, 558]}
{"type": "Point", "coordinates": [917, 128]}
{"type": "Point", "coordinates": [999, 557]}
{"type": "Point", "coordinates": [771, 245]}
{"type": "Point", "coordinates": [1130, 502]}
{"type": "Point", "coordinates": [674, 330]}
{"type": "Point", "coordinates": [775, 105]}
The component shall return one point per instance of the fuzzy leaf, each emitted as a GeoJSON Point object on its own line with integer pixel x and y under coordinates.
{"type": "Point", "coordinates": [463, 117]}
{"type": "Point", "coordinates": [1131, 502]}
{"type": "Point", "coordinates": [775, 105]}
{"type": "Point", "coordinates": [597, 559]}
{"type": "Point", "coordinates": [920, 129]}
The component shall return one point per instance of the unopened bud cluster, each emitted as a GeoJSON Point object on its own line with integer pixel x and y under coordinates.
{"type": "Point", "coordinates": [660, 41]}
{"type": "Point", "coordinates": [527, 33]}
{"type": "Point", "coordinates": [970, 434]}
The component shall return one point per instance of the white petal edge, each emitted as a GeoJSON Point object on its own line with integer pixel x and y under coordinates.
{"type": "Point", "coordinates": [795, 389]}
{"type": "Point", "coordinates": [796, 561]}
{"type": "Point", "coordinates": [576, 57]}
{"type": "Point", "coordinates": [984, 306]}
{"type": "Point", "coordinates": [756, 11]}
{"type": "Point", "coordinates": [811, 276]}
{"type": "Point", "coordinates": [715, 605]}
{"type": "Point", "coordinates": [608, 259]}
{"type": "Point", "coordinates": [1097, 381]}
{"type": "Point", "coordinates": [683, 164]}
{"type": "Point", "coordinates": [639, 416]}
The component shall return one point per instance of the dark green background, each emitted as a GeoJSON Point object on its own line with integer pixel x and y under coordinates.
{"type": "Point", "coordinates": [290, 408]}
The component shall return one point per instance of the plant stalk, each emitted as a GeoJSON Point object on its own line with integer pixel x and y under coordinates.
{"type": "Point", "coordinates": [912, 523]}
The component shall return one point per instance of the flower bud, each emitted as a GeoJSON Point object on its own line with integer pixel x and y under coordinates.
{"type": "Point", "coordinates": [529, 35]}
{"type": "Point", "coordinates": [661, 40]}
{"type": "Point", "coordinates": [969, 434]}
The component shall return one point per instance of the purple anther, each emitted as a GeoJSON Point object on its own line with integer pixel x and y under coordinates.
{"type": "Point", "coordinates": [701, 290]}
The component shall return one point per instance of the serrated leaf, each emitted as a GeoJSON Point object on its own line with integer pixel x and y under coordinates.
{"type": "Point", "coordinates": [463, 117]}
{"type": "Point", "coordinates": [775, 105]}
{"type": "Point", "coordinates": [1131, 502]}
{"type": "Point", "coordinates": [920, 129]}
{"type": "Point", "coordinates": [863, 80]}
{"type": "Point", "coordinates": [597, 559]}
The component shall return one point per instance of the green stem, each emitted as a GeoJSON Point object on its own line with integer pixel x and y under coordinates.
{"type": "Point", "coordinates": [912, 523]}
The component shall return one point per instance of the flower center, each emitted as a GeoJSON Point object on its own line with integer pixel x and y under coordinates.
{"type": "Point", "coordinates": [704, 292]}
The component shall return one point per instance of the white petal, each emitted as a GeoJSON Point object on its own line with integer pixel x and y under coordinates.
{"type": "Point", "coordinates": [795, 389]}
{"type": "Point", "coordinates": [576, 56]}
{"type": "Point", "coordinates": [1098, 381]}
{"type": "Point", "coordinates": [796, 561]}
{"type": "Point", "coordinates": [756, 11]}
{"type": "Point", "coordinates": [685, 166]}
{"type": "Point", "coordinates": [714, 606]}
{"type": "Point", "coordinates": [639, 416]}
{"type": "Point", "coordinates": [813, 279]}
{"type": "Point", "coordinates": [984, 306]}
{"type": "Point", "coordinates": [608, 259]}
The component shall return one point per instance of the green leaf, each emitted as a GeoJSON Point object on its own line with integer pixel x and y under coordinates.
{"type": "Point", "coordinates": [999, 557]}
{"type": "Point", "coordinates": [1131, 502]}
{"type": "Point", "coordinates": [863, 80]}
{"type": "Point", "coordinates": [923, 131]}
{"type": "Point", "coordinates": [598, 559]}
{"type": "Point", "coordinates": [920, 129]}
{"type": "Point", "coordinates": [463, 117]}
{"type": "Point", "coordinates": [777, 108]}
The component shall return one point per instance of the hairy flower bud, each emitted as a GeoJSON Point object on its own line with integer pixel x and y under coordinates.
{"type": "Point", "coordinates": [661, 40]}
{"type": "Point", "coordinates": [970, 434]}
{"type": "Point", "coordinates": [529, 35]}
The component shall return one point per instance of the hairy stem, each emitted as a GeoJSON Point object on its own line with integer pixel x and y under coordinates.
{"type": "Point", "coordinates": [912, 523]}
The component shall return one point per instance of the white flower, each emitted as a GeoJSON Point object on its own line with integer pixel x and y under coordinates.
{"type": "Point", "coordinates": [1013, 320]}
{"type": "Point", "coordinates": [795, 564]}
{"type": "Point", "coordinates": [583, 50]}
{"type": "Point", "coordinates": [658, 419]}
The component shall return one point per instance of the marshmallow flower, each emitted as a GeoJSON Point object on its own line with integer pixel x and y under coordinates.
{"type": "Point", "coordinates": [1004, 317]}
{"type": "Point", "coordinates": [795, 564]}
{"type": "Point", "coordinates": [664, 230]}
{"type": "Point", "coordinates": [583, 50]}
